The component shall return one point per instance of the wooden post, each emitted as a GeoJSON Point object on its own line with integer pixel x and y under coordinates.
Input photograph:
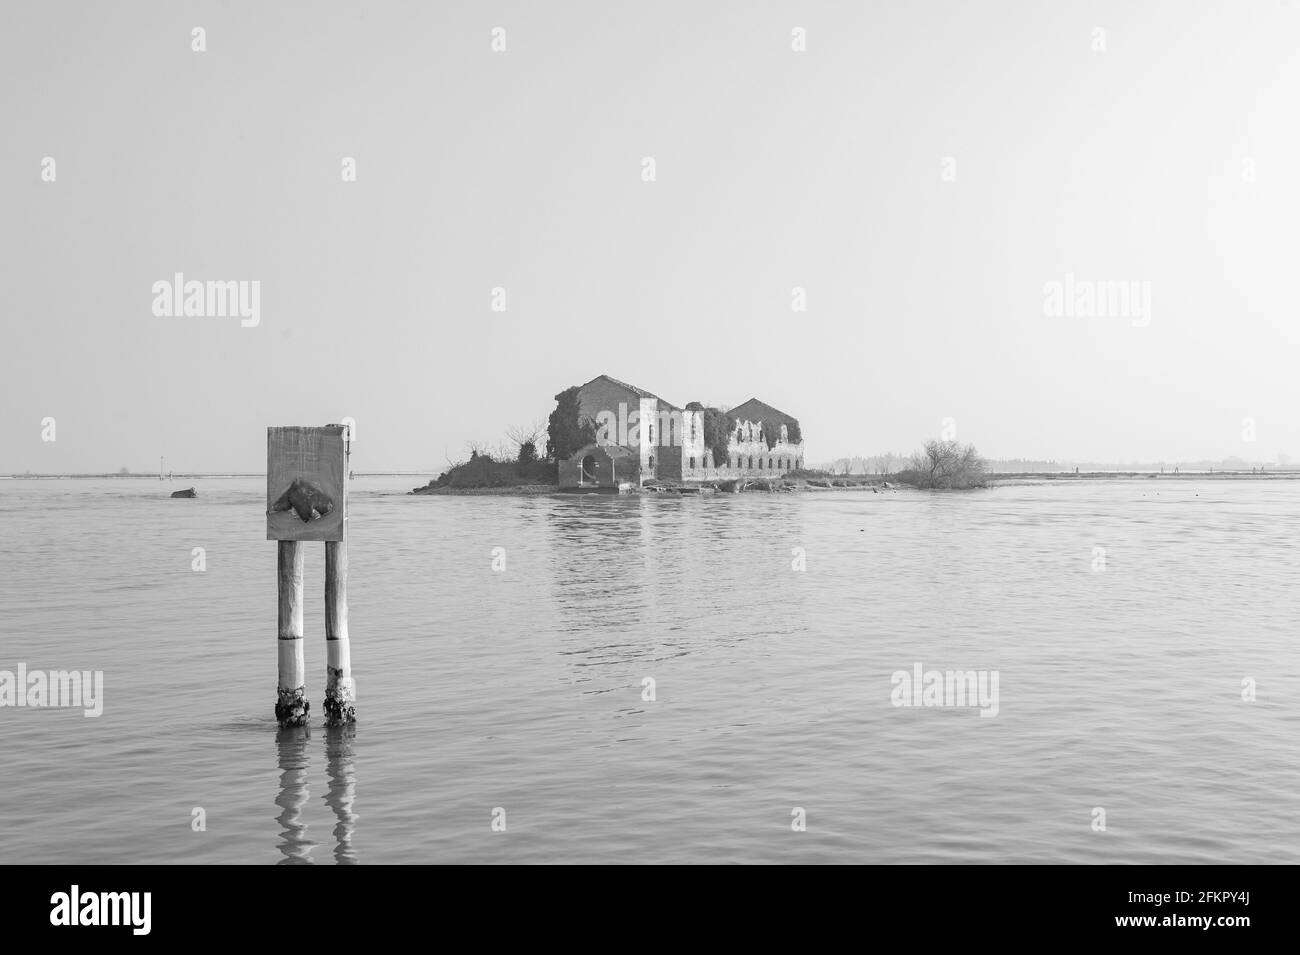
{"type": "Point", "coordinates": [340, 691]}
{"type": "Point", "coordinates": [291, 705]}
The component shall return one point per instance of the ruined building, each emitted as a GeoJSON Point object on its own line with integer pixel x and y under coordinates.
{"type": "Point", "coordinates": [640, 436]}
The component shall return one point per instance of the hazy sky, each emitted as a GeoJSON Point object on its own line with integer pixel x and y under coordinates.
{"type": "Point", "coordinates": [1170, 158]}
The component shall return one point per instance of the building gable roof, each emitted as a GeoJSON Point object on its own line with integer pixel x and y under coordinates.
{"type": "Point", "coordinates": [639, 392]}
{"type": "Point", "coordinates": [755, 410]}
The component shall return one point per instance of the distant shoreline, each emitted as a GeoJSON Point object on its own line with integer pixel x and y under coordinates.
{"type": "Point", "coordinates": [1040, 477]}
{"type": "Point", "coordinates": [187, 476]}
{"type": "Point", "coordinates": [993, 478]}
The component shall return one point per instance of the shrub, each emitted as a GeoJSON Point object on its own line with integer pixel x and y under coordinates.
{"type": "Point", "coordinates": [808, 473]}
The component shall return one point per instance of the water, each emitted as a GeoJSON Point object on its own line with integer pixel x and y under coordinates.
{"type": "Point", "coordinates": [1119, 688]}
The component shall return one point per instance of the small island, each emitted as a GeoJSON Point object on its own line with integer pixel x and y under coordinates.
{"type": "Point", "coordinates": [610, 437]}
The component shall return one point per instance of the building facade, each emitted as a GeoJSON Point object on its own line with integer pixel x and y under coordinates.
{"type": "Point", "coordinates": [764, 440]}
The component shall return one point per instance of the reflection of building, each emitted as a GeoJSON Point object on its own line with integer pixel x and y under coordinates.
{"type": "Point", "coordinates": [640, 436]}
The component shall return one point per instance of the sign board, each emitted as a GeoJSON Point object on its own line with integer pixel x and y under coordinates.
{"type": "Point", "coordinates": [306, 483]}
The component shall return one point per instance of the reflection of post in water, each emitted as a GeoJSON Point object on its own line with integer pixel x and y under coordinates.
{"type": "Point", "coordinates": [292, 746]}
{"type": "Point", "coordinates": [342, 790]}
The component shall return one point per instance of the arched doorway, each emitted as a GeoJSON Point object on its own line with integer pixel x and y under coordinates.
{"type": "Point", "coordinates": [588, 473]}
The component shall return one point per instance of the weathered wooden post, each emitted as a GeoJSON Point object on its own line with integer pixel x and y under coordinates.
{"type": "Point", "coordinates": [291, 705]}
{"type": "Point", "coordinates": [340, 692]}
{"type": "Point", "coordinates": [306, 500]}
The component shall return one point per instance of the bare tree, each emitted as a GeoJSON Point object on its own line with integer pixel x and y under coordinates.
{"type": "Point", "coordinates": [522, 434]}
{"type": "Point", "coordinates": [946, 464]}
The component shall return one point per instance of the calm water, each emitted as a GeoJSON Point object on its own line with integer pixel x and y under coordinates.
{"type": "Point", "coordinates": [522, 689]}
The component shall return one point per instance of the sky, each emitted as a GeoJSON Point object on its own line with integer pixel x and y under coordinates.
{"type": "Point", "coordinates": [922, 171]}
